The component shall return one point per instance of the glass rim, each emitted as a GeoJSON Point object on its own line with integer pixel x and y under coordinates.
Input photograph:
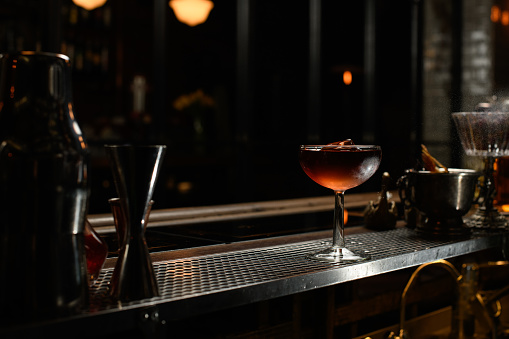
{"type": "Point", "coordinates": [133, 146]}
{"type": "Point", "coordinates": [34, 54]}
{"type": "Point", "coordinates": [480, 113]}
{"type": "Point", "coordinates": [451, 171]}
{"type": "Point", "coordinates": [318, 146]}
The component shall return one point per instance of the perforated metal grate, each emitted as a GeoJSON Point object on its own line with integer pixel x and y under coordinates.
{"type": "Point", "coordinates": [195, 276]}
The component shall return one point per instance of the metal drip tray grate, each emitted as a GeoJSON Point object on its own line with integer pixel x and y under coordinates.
{"type": "Point", "coordinates": [265, 272]}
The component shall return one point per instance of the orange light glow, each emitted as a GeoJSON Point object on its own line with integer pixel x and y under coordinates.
{"type": "Point", "coordinates": [89, 4]}
{"type": "Point", "coordinates": [505, 208]}
{"type": "Point", "coordinates": [71, 113]}
{"type": "Point", "coordinates": [347, 77]}
{"type": "Point", "coordinates": [345, 214]}
{"type": "Point", "coordinates": [505, 18]}
{"type": "Point", "coordinates": [495, 13]}
{"type": "Point", "coordinates": [191, 12]}
{"type": "Point", "coordinates": [82, 142]}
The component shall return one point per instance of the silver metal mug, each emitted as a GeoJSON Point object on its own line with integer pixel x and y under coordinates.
{"type": "Point", "coordinates": [441, 198]}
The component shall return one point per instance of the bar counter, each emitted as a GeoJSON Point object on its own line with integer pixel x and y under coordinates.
{"type": "Point", "coordinates": [206, 279]}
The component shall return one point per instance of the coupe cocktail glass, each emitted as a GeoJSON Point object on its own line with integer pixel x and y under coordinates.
{"type": "Point", "coordinates": [339, 167]}
{"type": "Point", "coordinates": [486, 135]}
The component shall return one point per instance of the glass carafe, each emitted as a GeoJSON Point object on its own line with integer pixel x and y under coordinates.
{"type": "Point", "coordinates": [43, 190]}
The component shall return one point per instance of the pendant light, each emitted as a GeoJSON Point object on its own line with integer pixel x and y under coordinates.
{"type": "Point", "coordinates": [89, 4]}
{"type": "Point", "coordinates": [191, 12]}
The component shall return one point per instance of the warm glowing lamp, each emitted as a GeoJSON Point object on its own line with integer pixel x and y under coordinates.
{"type": "Point", "coordinates": [191, 12]}
{"type": "Point", "coordinates": [347, 77]}
{"type": "Point", "coordinates": [505, 18]}
{"type": "Point", "coordinates": [495, 13]}
{"type": "Point", "coordinates": [89, 4]}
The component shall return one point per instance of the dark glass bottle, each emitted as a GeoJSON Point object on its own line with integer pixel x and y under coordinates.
{"type": "Point", "coordinates": [43, 190]}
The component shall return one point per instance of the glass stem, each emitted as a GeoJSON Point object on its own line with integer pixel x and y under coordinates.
{"type": "Point", "coordinates": [338, 235]}
{"type": "Point", "coordinates": [489, 183]}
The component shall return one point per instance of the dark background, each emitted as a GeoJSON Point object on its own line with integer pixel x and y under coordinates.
{"type": "Point", "coordinates": [271, 91]}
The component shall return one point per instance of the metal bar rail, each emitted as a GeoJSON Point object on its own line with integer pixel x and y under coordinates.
{"type": "Point", "coordinates": [206, 279]}
{"type": "Point", "coordinates": [103, 223]}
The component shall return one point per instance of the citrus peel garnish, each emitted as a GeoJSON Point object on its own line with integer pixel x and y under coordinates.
{"type": "Point", "coordinates": [430, 163]}
{"type": "Point", "coordinates": [342, 143]}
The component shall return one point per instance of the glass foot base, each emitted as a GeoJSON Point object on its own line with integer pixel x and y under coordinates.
{"type": "Point", "coordinates": [484, 219]}
{"type": "Point", "coordinates": [338, 255]}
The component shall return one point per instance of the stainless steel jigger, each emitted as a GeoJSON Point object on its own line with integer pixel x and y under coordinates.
{"type": "Point", "coordinates": [135, 171]}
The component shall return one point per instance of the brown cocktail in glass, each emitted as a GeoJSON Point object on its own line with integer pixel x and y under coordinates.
{"type": "Point", "coordinates": [339, 166]}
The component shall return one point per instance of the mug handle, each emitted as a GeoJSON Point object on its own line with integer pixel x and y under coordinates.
{"type": "Point", "coordinates": [404, 191]}
{"type": "Point", "coordinates": [478, 195]}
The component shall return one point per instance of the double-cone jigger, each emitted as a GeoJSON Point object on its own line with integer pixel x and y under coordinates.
{"type": "Point", "coordinates": [135, 170]}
